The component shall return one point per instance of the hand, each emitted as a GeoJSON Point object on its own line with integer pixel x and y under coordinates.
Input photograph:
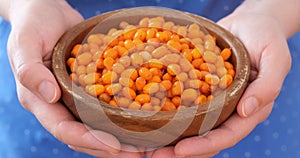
{"type": "Point", "coordinates": [270, 61]}
{"type": "Point", "coordinates": [36, 27]}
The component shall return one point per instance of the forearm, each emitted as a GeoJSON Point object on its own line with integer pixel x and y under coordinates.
{"type": "Point", "coordinates": [286, 12]}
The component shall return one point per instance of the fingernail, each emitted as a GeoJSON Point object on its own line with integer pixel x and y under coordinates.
{"type": "Point", "coordinates": [47, 91]}
{"type": "Point", "coordinates": [249, 106]}
{"type": "Point", "coordinates": [180, 156]}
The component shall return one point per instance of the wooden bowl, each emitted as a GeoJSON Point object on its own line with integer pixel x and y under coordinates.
{"type": "Point", "coordinates": [142, 128]}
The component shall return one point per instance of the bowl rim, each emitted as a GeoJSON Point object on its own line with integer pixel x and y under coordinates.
{"type": "Point", "coordinates": [241, 76]}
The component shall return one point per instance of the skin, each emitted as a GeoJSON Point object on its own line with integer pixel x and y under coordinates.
{"type": "Point", "coordinates": [263, 29]}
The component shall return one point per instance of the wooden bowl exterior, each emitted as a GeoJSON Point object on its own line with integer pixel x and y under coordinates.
{"type": "Point", "coordinates": [157, 129]}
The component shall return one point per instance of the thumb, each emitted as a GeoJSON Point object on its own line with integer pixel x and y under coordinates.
{"type": "Point", "coordinates": [273, 66]}
{"type": "Point", "coordinates": [26, 58]}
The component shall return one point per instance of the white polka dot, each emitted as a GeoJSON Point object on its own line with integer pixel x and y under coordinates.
{"type": "Point", "coordinates": [290, 131]}
{"type": "Point", "coordinates": [33, 121]}
{"type": "Point", "coordinates": [202, 0]}
{"type": "Point", "coordinates": [275, 135]}
{"type": "Point", "coordinates": [282, 118]}
{"type": "Point", "coordinates": [180, 1]}
{"type": "Point", "coordinates": [55, 151]}
{"type": "Point", "coordinates": [283, 148]}
{"type": "Point", "coordinates": [157, 1]}
{"type": "Point", "coordinates": [257, 138]}
{"type": "Point", "coordinates": [33, 149]}
{"type": "Point", "coordinates": [247, 154]}
{"type": "Point", "coordinates": [266, 123]}
{"type": "Point", "coordinates": [226, 7]}
{"type": "Point", "coordinates": [26, 132]}
{"type": "Point", "coordinates": [268, 152]}
{"type": "Point", "coordinates": [226, 155]}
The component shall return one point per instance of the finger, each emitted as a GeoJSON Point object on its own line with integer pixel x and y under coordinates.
{"type": "Point", "coordinates": [225, 136]}
{"type": "Point", "coordinates": [162, 153]}
{"type": "Point", "coordinates": [96, 153]}
{"type": "Point", "coordinates": [60, 122]}
{"type": "Point", "coordinates": [26, 58]}
{"type": "Point", "coordinates": [266, 87]}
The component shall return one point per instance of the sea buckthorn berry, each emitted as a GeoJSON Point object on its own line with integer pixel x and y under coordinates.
{"type": "Point", "coordinates": [225, 81]}
{"type": "Point", "coordinates": [212, 79]}
{"type": "Point", "coordinates": [189, 95]}
{"type": "Point", "coordinates": [174, 44]}
{"type": "Point", "coordinates": [128, 44]}
{"type": "Point", "coordinates": [123, 102]}
{"type": "Point", "coordinates": [91, 78]}
{"type": "Point", "coordinates": [182, 31]}
{"type": "Point", "coordinates": [136, 59]}
{"type": "Point", "coordinates": [145, 73]}
{"type": "Point", "coordinates": [166, 85]}
{"type": "Point", "coordinates": [154, 63]}
{"type": "Point", "coordinates": [111, 53]}
{"type": "Point", "coordinates": [204, 88]}
{"type": "Point", "coordinates": [121, 50]}
{"type": "Point", "coordinates": [147, 107]}
{"type": "Point", "coordinates": [140, 82]}
{"type": "Point", "coordinates": [113, 89]}
{"type": "Point", "coordinates": [156, 72]}
{"type": "Point", "coordinates": [200, 99]}
{"type": "Point", "coordinates": [130, 73]}
{"type": "Point", "coordinates": [209, 57]}
{"type": "Point", "coordinates": [109, 77]}
{"type": "Point", "coordinates": [118, 68]}
{"type": "Point", "coordinates": [140, 34]}
{"type": "Point", "coordinates": [152, 66]}
{"type": "Point", "coordinates": [129, 34]}
{"type": "Point", "coordinates": [126, 82]}
{"type": "Point", "coordinates": [108, 63]}
{"type": "Point", "coordinates": [95, 90]}
{"type": "Point", "coordinates": [168, 25]}
{"type": "Point", "coordinates": [151, 88]}
{"type": "Point", "coordinates": [173, 69]}
{"type": "Point", "coordinates": [195, 83]}
{"type": "Point", "coordinates": [104, 97]}
{"type": "Point", "coordinates": [182, 76]}
{"type": "Point", "coordinates": [143, 98]}
{"type": "Point", "coordinates": [150, 33]}
{"type": "Point", "coordinates": [162, 36]}
{"type": "Point", "coordinates": [84, 58]}
{"type": "Point", "coordinates": [76, 50]}
{"type": "Point", "coordinates": [160, 52]}
{"type": "Point", "coordinates": [135, 106]}
{"type": "Point", "coordinates": [168, 106]}
{"type": "Point", "coordinates": [226, 53]}
{"type": "Point", "coordinates": [129, 93]}
{"type": "Point", "coordinates": [125, 61]}
{"type": "Point", "coordinates": [144, 22]}
{"type": "Point", "coordinates": [81, 70]}
{"type": "Point", "coordinates": [113, 103]}
{"type": "Point", "coordinates": [177, 88]}
{"type": "Point", "coordinates": [176, 100]}
{"type": "Point", "coordinates": [196, 53]}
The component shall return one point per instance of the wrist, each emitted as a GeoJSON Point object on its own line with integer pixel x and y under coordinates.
{"type": "Point", "coordinates": [286, 13]}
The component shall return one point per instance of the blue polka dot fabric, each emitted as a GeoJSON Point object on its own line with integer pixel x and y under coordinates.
{"type": "Point", "coordinates": [22, 136]}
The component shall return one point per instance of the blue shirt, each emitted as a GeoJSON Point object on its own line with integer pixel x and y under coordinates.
{"type": "Point", "coordinates": [22, 136]}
